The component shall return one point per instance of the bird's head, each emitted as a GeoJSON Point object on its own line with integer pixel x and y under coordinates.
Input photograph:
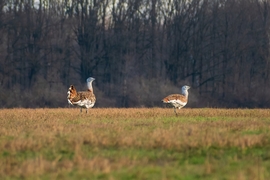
{"type": "Point", "coordinates": [90, 79]}
{"type": "Point", "coordinates": [185, 88]}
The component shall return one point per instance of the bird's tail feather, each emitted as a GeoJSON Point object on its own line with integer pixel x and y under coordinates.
{"type": "Point", "coordinates": [71, 92]}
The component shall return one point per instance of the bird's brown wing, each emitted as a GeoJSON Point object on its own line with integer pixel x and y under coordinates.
{"type": "Point", "coordinates": [175, 97]}
{"type": "Point", "coordinates": [87, 95]}
{"type": "Point", "coordinates": [82, 95]}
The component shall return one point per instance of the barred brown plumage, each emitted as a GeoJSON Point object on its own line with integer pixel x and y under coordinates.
{"type": "Point", "coordinates": [84, 99]}
{"type": "Point", "coordinates": [177, 100]}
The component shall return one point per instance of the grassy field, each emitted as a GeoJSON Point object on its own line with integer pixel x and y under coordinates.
{"type": "Point", "coordinates": [135, 143]}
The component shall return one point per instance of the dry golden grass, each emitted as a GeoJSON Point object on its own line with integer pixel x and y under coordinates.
{"type": "Point", "coordinates": [134, 143]}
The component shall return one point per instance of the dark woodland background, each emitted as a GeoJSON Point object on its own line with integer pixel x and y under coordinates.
{"type": "Point", "coordinates": [139, 51]}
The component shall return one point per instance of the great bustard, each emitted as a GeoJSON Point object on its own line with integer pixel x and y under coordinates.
{"type": "Point", "coordinates": [177, 100]}
{"type": "Point", "coordinates": [84, 99]}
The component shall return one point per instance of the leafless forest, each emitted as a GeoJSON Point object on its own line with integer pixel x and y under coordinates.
{"type": "Point", "coordinates": [138, 50]}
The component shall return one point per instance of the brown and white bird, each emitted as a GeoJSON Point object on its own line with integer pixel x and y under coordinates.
{"type": "Point", "coordinates": [84, 99]}
{"type": "Point", "coordinates": [178, 100]}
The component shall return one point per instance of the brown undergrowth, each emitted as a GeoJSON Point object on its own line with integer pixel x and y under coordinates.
{"type": "Point", "coordinates": [55, 142]}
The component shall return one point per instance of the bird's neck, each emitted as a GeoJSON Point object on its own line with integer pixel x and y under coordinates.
{"type": "Point", "coordinates": [185, 93]}
{"type": "Point", "coordinates": [89, 85]}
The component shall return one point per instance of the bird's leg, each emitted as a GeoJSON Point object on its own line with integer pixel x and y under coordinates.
{"type": "Point", "coordinates": [81, 110]}
{"type": "Point", "coordinates": [175, 111]}
{"type": "Point", "coordinates": [86, 110]}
